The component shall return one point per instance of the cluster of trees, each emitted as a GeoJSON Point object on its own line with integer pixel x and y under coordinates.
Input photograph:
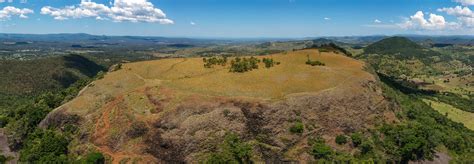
{"type": "Point", "coordinates": [239, 64]}
{"type": "Point", "coordinates": [244, 64]}
{"type": "Point", "coordinates": [314, 63]}
{"type": "Point", "coordinates": [210, 62]}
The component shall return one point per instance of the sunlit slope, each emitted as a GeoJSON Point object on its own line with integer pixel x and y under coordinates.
{"type": "Point", "coordinates": [291, 76]}
{"type": "Point", "coordinates": [184, 103]}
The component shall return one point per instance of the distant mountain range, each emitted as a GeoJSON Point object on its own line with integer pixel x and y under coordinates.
{"type": "Point", "coordinates": [82, 37]}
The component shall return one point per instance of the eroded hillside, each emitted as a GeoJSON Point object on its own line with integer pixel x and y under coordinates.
{"type": "Point", "coordinates": [175, 110]}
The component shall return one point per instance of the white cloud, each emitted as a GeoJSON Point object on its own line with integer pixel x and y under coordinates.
{"type": "Point", "coordinates": [434, 22]}
{"type": "Point", "coordinates": [377, 21]}
{"type": "Point", "coordinates": [119, 11]}
{"type": "Point", "coordinates": [458, 11]}
{"type": "Point", "coordinates": [9, 11]}
{"type": "Point", "coordinates": [465, 2]}
{"type": "Point", "coordinates": [464, 15]}
{"type": "Point", "coordinates": [326, 18]}
{"type": "Point", "coordinates": [192, 23]}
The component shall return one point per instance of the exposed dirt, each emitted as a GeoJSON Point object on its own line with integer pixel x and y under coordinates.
{"type": "Point", "coordinates": [188, 109]}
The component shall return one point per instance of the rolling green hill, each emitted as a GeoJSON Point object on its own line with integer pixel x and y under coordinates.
{"type": "Point", "coordinates": [35, 76]}
{"type": "Point", "coordinates": [399, 47]}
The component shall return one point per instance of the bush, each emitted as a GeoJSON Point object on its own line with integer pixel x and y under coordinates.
{"type": "Point", "coordinates": [341, 139]}
{"type": "Point", "coordinates": [314, 63]}
{"type": "Point", "coordinates": [232, 150]}
{"type": "Point", "coordinates": [269, 62]}
{"type": "Point", "coordinates": [298, 127]}
{"type": "Point", "coordinates": [356, 139]}
{"type": "Point", "coordinates": [365, 147]}
{"type": "Point", "coordinates": [319, 149]}
{"type": "Point", "coordinates": [95, 158]}
{"type": "Point", "coordinates": [3, 121]}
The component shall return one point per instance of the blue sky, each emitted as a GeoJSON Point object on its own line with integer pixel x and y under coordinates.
{"type": "Point", "coordinates": [239, 18]}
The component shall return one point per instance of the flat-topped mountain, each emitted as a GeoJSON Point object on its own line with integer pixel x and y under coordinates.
{"type": "Point", "coordinates": [177, 110]}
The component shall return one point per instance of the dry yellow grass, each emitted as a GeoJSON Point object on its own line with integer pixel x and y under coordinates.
{"type": "Point", "coordinates": [291, 76]}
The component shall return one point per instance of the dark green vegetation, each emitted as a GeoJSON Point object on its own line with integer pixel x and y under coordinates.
{"type": "Point", "coordinates": [232, 150]}
{"type": "Point", "coordinates": [400, 47]}
{"type": "Point", "coordinates": [37, 76]}
{"type": "Point", "coordinates": [398, 56]}
{"type": "Point", "coordinates": [314, 63]}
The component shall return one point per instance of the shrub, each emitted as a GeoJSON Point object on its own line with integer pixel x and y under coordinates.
{"type": "Point", "coordinates": [298, 127]}
{"type": "Point", "coordinates": [319, 149]}
{"type": "Point", "coordinates": [3, 121]}
{"type": "Point", "coordinates": [314, 63]}
{"type": "Point", "coordinates": [341, 139]}
{"type": "Point", "coordinates": [356, 139]}
{"type": "Point", "coordinates": [269, 62]}
{"type": "Point", "coordinates": [232, 150]}
{"type": "Point", "coordinates": [365, 147]}
{"type": "Point", "coordinates": [95, 158]}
